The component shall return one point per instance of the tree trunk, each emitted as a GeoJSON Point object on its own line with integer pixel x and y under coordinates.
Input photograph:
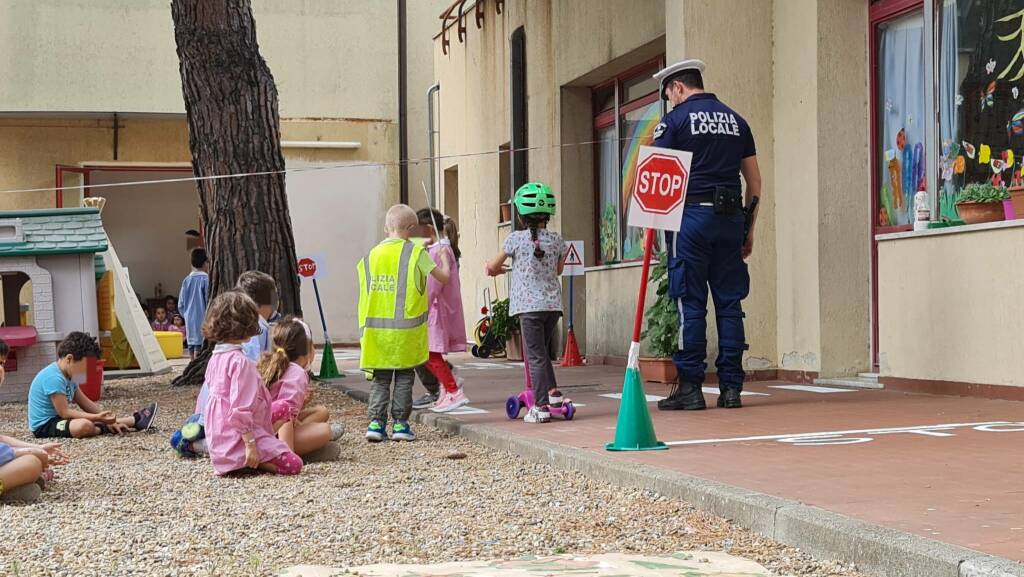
{"type": "Point", "coordinates": [234, 128]}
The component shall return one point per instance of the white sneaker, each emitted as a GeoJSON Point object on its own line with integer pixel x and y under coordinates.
{"type": "Point", "coordinates": [337, 430]}
{"type": "Point", "coordinates": [537, 415]}
{"type": "Point", "coordinates": [450, 402]}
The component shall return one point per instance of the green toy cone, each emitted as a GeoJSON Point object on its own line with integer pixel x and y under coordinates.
{"type": "Point", "coordinates": [634, 430]}
{"type": "Point", "coordinates": [328, 366]}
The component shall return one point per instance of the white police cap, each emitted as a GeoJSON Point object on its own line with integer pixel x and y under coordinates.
{"type": "Point", "coordinates": [668, 72]}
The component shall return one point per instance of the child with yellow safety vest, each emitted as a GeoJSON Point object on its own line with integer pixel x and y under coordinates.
{"type": "Point", "coordinates": [393, 320]}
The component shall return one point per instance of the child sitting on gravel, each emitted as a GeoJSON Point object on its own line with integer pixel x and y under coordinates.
{"type": "Point", "coordinates": [25, 467]}
{"type": "Point", "coordinates": [284, 370]}
{"type": "Point", "coordinates": [239, 432]}
{"type": "Point", "coordinates": [55, 388]}
{"type": "Point", "coordinates": [261, 288]}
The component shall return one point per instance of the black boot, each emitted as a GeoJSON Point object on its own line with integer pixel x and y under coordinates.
{"type": "Point", "coordinates": [730, 399]}
{"type": "Point", "coordinates": [684, 397]}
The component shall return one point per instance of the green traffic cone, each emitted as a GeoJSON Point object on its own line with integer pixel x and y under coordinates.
{"type": "Point", "coordinates": [328, 366]}
{"type": "Point", "coordinates": [634, 430]}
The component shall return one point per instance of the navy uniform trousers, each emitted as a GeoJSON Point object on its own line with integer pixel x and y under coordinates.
{"type": "Point", "coordinates": [708, 254]}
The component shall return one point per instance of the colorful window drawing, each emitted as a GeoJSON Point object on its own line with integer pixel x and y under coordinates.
{"type": "Point", "coordinates": [901, 156]}
{"type": "Point", "coordinates": [981, 105]}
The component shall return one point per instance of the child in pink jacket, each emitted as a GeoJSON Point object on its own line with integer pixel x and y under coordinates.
{"type": "Point", "coordinates": [446, 324]}
{"type": "Point", "coordinates": [239, 433]}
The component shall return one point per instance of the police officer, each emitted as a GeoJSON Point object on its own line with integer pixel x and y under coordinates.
{"type": "Point", "coordinates": [717, 232]}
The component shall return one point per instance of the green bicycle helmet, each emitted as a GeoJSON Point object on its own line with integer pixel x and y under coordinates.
{"type": "Point", "coordinates": [534, 198]}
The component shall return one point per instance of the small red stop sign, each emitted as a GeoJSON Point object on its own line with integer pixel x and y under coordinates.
{"type": "Point", "coordinates": [660, 182]}
{"type": "Point", "coordinates": [307, 267]}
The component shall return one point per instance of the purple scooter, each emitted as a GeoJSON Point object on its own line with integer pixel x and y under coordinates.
{"type": "Point", "coordinates": [516, 403]}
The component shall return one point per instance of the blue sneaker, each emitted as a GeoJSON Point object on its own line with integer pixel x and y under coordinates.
{"type": "Point", "coordinates": [182, 446]}
{"type": "Point", "coordinates": [193, 431]}
{"type": "Point", "coordinates": [402, 432]}
{"type": "Point", "coordinates": [376, 433]}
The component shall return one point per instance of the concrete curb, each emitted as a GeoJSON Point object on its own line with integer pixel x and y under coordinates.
{"type": "Point", "coordinates": [874, 549]}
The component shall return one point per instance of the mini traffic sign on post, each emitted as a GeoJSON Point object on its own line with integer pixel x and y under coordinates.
{"type": "Point", "coordinates": [659, 188]}
{"type": "Point", "coordinates": [312, 268]}
{"type": "Point", "coordinates": [573, 268]}
{"type": "Point", "coordinates": [656, 202]}
{"type": "Point", "coordinates": [574, 259]}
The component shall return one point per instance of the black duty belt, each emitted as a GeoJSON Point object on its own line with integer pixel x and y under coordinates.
{"type": "Point", "coordinates": [707, 198]}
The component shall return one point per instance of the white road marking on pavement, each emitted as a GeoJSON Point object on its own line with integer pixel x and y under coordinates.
{"type": "Point", "coordinates": [866, 435]}
{"type": "Point", "coordinates": [618, 396]}
{"type": "Point", "coordinates": [811, 389]}
{"type": "Point", "coordinates": [467, 410]}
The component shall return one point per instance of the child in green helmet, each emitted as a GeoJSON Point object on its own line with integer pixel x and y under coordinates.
{"type": "Point", "coordinates": [538, 257]}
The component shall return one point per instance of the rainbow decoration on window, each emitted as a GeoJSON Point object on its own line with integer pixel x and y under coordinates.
{"type": "Point", "coordinates": [642, 134]}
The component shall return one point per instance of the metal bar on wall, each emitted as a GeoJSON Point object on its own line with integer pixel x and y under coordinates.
{"type": "Point", "coordinates": [931, 106]}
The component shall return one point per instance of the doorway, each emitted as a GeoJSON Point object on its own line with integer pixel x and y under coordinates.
{"type": "Point", "coordinates": [898, 159]}
{"type": "Point", "coordinates": [146, 223]}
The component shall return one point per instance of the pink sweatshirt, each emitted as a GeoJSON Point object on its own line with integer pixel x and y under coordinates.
{"type": "Point", "coordinates": [239, 403]}
{"type": "Point", "coordinates": [446, 322]}
{"type": "Point", "coordinates": [291, 389]}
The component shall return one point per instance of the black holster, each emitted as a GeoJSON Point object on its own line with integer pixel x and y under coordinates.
{"type": "Point", "coordinates": [728, 201]}
{"type": "Point", "coordinates": [748, 217]}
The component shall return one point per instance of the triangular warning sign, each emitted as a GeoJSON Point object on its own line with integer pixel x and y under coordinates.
{"type": "Point", "coordinates": [573, 258]}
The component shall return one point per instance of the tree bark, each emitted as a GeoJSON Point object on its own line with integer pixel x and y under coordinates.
{"type": "Point", "coordinates": [234, 128]}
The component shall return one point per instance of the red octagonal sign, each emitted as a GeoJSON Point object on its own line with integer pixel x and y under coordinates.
{"type": "Point", "coordinates": [659, 184]}
{"type": "Point", "coordinates": [307, 267]}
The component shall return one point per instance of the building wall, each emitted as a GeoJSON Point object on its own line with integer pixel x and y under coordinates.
{"type": "Point", "coordinates": [950, 306]}
{"type": "Point", "coordinates": [735, 41]}
{"type": "Point", "coordinates": [795, 109]}
{"type": "Point", "coordinates": [570, 46]}
{"type": "Point", "coordinates": [844, 188]}
{"type": "Point", "coordinates": [316, 49]}
{"type": "Point", "coordinates": [423, 22]}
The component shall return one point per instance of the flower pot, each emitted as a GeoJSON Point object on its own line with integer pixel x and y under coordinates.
{"type": "Point", "coordinates": [506, 212]}
{"type": "Point", "coordinates": [979, 212]}
{"type": "Point", "coordinates": [658, 370]}
{"type": "Point", "coordinates": [514, 346]}
{"type": "Point", "coordinates": [1017, 198]}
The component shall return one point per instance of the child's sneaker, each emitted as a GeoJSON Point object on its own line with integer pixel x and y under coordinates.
{"type": "Point", "coordinates": [555, 398]}
{"type": "Point", "coordinates": [451, 401]}
{"type": "Point", "coordinates": [182, 446]}
{"type": "Point", "coordinates": [376, 433]}
{"type": "Point", "coordinates": [24, 494]}
{"type": "Point", "coordinates": [193, 431]}
{"type": "Point", "coordinates": [337, 430]}
{"type": "Point", "coordinates": [537, 415]}
{"type": "Point", "coordinates": [424, 402]}
{"type": "Point", "coordinates": [144, 417]}
{"type": "Point", "coordinates": [402, 432]}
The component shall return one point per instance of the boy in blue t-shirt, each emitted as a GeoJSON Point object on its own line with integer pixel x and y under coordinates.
{"type": "Point", "coordinates": [55, 390]}
{"type": "Point", "coordinates": [193, 298]}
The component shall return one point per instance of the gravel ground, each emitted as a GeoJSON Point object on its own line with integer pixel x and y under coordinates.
{"type": "Point", "coordinates": [129, 506]}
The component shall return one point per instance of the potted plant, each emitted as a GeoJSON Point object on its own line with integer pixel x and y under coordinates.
{"type": "Point", "coordinates": [981, 202]}
{"type": "Point", "coordinates": [661, 336]}
{"type": "Point", "coordinates": [506, 328]}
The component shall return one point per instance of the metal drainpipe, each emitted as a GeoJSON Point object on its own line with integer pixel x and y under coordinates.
{"type": "Point", "coordinates": [431, 132]}
{"type": "Point", "coordinates": [403, 126]}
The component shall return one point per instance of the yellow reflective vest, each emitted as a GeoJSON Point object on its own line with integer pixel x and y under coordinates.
{"type": "Point", "coordinates": [392, 307]}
